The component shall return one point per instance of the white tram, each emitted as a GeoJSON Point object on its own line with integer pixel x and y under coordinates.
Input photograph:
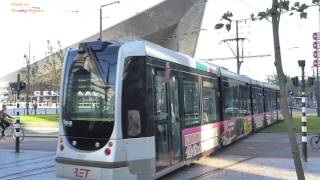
{"type": "Point", "coordinates": [139, 111]}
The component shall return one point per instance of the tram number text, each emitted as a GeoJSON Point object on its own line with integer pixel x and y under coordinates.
{"type": "Point", "coordinates": [193, 150]}
{"type": "Point", "coordinates": [80, 172]}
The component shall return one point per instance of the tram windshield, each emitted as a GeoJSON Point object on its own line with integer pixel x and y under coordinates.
{"type": "Point", "coordinates": [89, 94]}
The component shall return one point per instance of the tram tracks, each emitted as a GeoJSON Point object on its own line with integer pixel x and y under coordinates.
{"type": "Point", "coordinates": [44, 165]}
{"type": "Point", "coordinates": [211, 172]}
{"type": "Point", "coordinates": [2, 165]}
{"type": "Point", "coordinates": [29, 172]}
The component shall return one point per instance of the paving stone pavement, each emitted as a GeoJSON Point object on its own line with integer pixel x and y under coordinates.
{"type": "Point", "coordinates": [27, 165]}
{"type": "Point", "coordinates": [262, 156]}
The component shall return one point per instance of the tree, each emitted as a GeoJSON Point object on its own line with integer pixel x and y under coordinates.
{"type": "Point", "coordinates": [275, 12]}
{"type": "Point", "coordinates": [55, 60]}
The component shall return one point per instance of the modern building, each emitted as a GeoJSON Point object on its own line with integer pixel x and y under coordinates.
{"type": "Point", "coordinates": [174, 24]}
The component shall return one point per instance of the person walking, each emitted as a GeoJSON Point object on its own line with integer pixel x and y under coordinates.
{"type": "Point", "coordinates": [3, 122]}
{"type": "Point", "coordinates": [35, 106]}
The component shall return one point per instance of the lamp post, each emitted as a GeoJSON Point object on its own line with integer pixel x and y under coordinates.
{"type": "Point", "coordinates": [28, 79]}
{"type": "Point", "coordinates": [303, 118]}
{"type": "Point", "coordinates": [100, 36]}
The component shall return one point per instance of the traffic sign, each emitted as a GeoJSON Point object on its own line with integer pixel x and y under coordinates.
{"type": "Point", "coordinates": [316, 35]}
{"type": "Point", "coordinates": [290, 92]}
{"type": "Point", "coordinates": [316, 63]}
{"type": "Point", "coordinates": [316, 44]}
{"type": "Point", "coordinates": [316, 54]}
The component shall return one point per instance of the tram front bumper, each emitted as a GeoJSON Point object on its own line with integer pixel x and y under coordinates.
{"type": "Point", "coordinates": [89, 172]}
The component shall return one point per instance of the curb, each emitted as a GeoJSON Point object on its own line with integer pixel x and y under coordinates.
{"type": "Point", "coordinates": [41, 136]}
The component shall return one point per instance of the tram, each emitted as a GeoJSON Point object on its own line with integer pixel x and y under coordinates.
{"type": "Point", "coordinates": [139, 111]}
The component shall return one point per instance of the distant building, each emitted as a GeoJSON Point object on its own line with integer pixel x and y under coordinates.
{"type": "Point", "coordinates": [4, 91]}
{"type": "Point", "coordinates": [174, 24]}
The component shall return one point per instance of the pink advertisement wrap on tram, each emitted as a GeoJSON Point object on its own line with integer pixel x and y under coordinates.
{"type": "Point", "coordinates": [258, 120]}
{"type": "Point", "coordinates": [234, 129]}
{"type": "Point", "coordinates": [201, 139]}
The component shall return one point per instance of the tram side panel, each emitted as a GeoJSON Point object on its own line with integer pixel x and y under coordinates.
{"type": "Point", "coordinates": [203, 139]}
{"type": "Point", "coordinates": [137, 118]}
{"type": "Point", "coordinates": [258, 108]}
{"type": "Point", "coordinates": [183, 103]}
{"type": "Point", "coordinates": [279, 111]}
{"type": "Point", "coordinates": [237, 118]}
{"type": "Point", "coordinates": [270, 106]}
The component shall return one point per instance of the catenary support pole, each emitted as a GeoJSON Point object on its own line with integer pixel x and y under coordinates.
{"type": "Point", "coordinates": [237, 40]}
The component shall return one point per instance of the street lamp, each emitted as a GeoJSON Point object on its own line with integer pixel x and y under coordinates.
{"type": "Point", "coordinates": [100, 36]}
{"type": "Point", "coordinates": [28, 79]}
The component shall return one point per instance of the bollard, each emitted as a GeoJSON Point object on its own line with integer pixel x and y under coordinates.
{"type": "Point", "coordinates": [17, 124]}
{"type": "Point", "coordinates": [304, 128]}
{"type": "Point", "coordinates": [303, 118]}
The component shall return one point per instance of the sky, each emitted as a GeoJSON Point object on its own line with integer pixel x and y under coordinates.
{"type": "Point", "coordinates": [33, 22]}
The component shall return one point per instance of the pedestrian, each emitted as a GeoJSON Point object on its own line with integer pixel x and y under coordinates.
{"type": "Point", "coordinates": [3, 122]}
{"type": "Point", "coordinates": [35, 106]}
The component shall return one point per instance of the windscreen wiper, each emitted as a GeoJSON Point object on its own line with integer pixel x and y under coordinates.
{"type": "Point", "coordinates": [93, 56]}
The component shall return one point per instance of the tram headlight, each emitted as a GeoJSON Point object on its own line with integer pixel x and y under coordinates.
{"type": "Point", "coordinates": [97, 144]}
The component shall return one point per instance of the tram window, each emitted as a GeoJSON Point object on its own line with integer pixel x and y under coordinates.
{"type": "Point", "coordinates": [134, 115]}
{"type": "Point", "coordinates": [230, 101]}
{"type": "Point", "coordinates": [267, 100]}
{"type": "Point", "coordinates": [160, 96]}
{"type": "Point", "coordinates": [209, 101]}
{"type": "Point", "coordinates": [191, 101]}
{"type": "Point", "coordinates": [244, 100]}
{"type": "Point", "coordinates": [174, 99]}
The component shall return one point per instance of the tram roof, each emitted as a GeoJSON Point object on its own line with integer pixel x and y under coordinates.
{"type": "Point", "coordinates": [154, 50]}
{"type": "Point", "coordinates": [257, 83]}
{"type": "Point", "coordinates": [232, 75]}
{"type": "Point", "coordinates": [270, 86]}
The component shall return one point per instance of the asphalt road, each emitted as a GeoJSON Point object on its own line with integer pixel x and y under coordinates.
{"type": "Point", "coordinates": [31, 143]}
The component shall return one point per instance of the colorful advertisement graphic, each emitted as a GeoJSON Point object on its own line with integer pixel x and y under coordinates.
{"type": "Point", "coordinates": [280, 115]}
{"type": "Point", "coordinates": [258, 120]}
{"type": "Point", "coordinates": [235, 128]}
{"type": "Point", "coordinates": [228, 132]}
{"type": "Point", "coordinates": [200, 139]}
{"type": "Point", "coordinates": [271, 117]}
{"type": "Point", "coordinates": [247, 125]}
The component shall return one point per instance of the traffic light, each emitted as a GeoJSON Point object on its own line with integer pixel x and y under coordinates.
{"type": "Point", "coordinates": [295, 81]}
{"type": "Point", "coordinates": [14, 86]}
{"type": "Point", "coordinates": [310, 81]}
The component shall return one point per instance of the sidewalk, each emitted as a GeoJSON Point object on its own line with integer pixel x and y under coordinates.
{"type": "Point", "coordinates": [37, 131]}
{"type": "Point", "coordinates": [27, 165]}
{"type": "Point", "coordinates": [260, 156]}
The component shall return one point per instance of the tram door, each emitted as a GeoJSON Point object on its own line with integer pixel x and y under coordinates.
{"type": "Point", "coordinates": [167, 119]}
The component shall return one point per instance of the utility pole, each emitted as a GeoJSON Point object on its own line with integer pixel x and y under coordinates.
{"type": "Point", "coordinates": [237, 54]}
{"type": "Point", "coordinates": [100, 35]}
{"type": "Point", "coordinates": [317, 83]}
{"type": "Point", "coordinates": [237, 40]}
{"type": "Point", "coordinates": [303, 118]}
